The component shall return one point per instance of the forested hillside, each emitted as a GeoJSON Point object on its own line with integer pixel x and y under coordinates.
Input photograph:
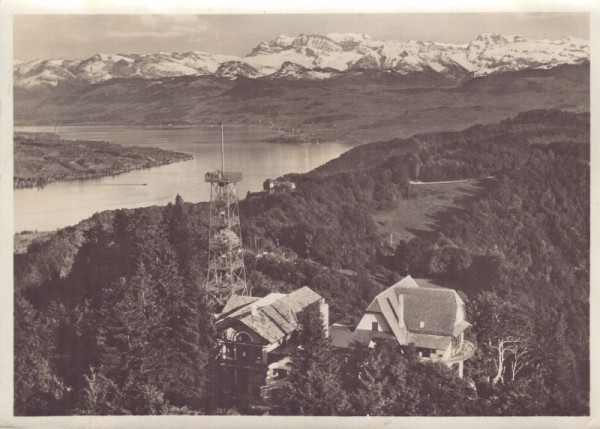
{"type": "Point", "coordinates": [114, 309]}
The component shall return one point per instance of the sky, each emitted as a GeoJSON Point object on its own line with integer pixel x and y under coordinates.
{"type": "Point", "coordinates": [81, 36]}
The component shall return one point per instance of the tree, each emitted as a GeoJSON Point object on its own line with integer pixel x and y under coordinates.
{"type": "Point", "coordinates": [505, 335]}
{"type": "Point", "coordinates": [390, 380]}
{"type": "Point", "coordinates": [38, 390]}
{"type": "Point", "coordinates": [440, 391]}
{"type": "Point", "coordinates": [313, 385]}
{"type": "Point", "coordinates": [412, 257]}
{"type": "Point", "coordinates": [101, 396]}
{"type": "Point", "coordinates": [380, 381]}
{"type": "Point", "coordinates": [142, 331]}
{"type": "Point", "coordinates": [450, 261]}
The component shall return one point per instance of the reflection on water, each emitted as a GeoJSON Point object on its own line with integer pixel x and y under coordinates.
{"type": "Point", "coordinates": [66, 203]}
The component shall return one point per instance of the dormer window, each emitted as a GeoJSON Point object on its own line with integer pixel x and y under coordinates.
{"type": "Point", "coordinates": [374, 326]}
{"type": "Point", "coordinates": [421, 324]}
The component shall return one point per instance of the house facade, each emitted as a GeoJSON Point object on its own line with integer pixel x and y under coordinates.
{"type": "Point", "coordinates": [412, 311]}
{"type": "Point", "coordinates": [256, 337]}
{"type": "Point", "coordinates": [273, 186]}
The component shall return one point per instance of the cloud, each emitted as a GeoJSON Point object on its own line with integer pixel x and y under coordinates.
{"type": "Point", "coordinates": [161, 26]}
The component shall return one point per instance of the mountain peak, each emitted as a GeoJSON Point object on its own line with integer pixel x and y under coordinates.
{"type": "Point", "coordinates": [349, 37]}
{"type": "Point", "coordinates": [314, 56]}
{"type": "Point", "coordinates": [234, 69]}
{"type": "Point", "coordinates": [492, 38]}
{"type": "Point", "coordinates": [316, 41]}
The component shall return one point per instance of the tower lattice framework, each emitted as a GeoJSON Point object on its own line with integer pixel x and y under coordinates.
{"type": "Point", "coordinates": [226, 270]}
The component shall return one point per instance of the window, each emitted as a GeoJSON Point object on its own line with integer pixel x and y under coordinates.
{"type": "Point", "coordinates": [243, 337]}
{"type": "Point", "coordinates": [227, 351]}
{"type": "Point", "coordinates": [375, 326]}
{"type": "Point", "coordinates": [424, 352]}
{"type": "Point", "coordinates": [279, 373]}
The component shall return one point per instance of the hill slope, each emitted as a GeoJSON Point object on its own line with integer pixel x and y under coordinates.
{"type": "Point", "coordinates": [518, 248]}
{"type": "Point", "coordinates": [360, 107]}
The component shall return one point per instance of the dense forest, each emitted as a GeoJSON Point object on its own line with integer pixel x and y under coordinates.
{"type": "Point", "coordinates": [111, 316]}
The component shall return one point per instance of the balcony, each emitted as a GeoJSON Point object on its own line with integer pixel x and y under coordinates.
{"type": "Point", "coordinates": [223, 177]}
{"type": "Point", "coordinates": [465, 351]}
{"type": "Point", "coordinates": [221, 222]}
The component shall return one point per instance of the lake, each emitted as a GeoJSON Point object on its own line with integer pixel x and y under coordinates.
{"type": "Point", "coordinates": [61, 204]}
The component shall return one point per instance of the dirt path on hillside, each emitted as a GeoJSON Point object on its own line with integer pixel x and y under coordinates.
{"type": "Point", "coordinates": [417, 182]}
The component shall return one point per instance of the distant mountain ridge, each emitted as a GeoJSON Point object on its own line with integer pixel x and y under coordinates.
{"type": "Point", "coordinates": [316, 57]}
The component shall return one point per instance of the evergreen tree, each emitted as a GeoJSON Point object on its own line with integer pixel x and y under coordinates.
{"type": "Point", "coordinates": [390, 380]}
{"type": "Point", "coordinates": [379, 377]}
{"type": "Point", "coordinates": [313, 386]}
{"type": "Point", "coordinates": [101, 396]}
{"type": "Point", "coordinates": [38, 390]}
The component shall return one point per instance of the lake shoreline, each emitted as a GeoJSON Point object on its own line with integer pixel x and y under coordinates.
{"type": "Point", "coordinates": [285, 137]}
{"type": "Point", "coordinates": [44, 158]}
{"type": "Point", "coordinates": [66, 202]}
{"type": "Point", "coordinates": [101, 175]}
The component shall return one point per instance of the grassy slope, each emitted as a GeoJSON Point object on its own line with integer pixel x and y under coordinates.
{"type": "Point", "coordinates": [419, 214]}
{"type": "Point", "coordinates": [25, 238]}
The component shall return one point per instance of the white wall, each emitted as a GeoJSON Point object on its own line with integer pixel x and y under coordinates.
{"type": "Point", "coordinates": [367, 320]}
{"type": "Point", "coordinates": [448, 352]}
{"type": "Point", "coordinates": [460, 313]}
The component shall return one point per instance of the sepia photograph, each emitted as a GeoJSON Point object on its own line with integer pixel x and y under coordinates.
{"type": "Point", "coordinates": [301, 214]}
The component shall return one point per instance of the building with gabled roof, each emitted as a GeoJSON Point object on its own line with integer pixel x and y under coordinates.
{"type": "Point", "coordinates": [417, 312]}
{"type": "Point", "coordinates": [256, 336]}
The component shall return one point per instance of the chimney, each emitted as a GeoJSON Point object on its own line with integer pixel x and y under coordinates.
{"type": "Point", "coordinates": [324, 309]}
{"type": "Point", "coordinates": [403, 339]}
{"type": "Point", "coordinates": [401, 311]}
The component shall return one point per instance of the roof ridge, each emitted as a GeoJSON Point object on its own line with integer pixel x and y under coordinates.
{"type": "Point", "coordinates": [272, 319]}
{"type": "Point", "coordinates": [435, 288]}
{"type": "Point", "coordinates": [248, 300]}
{"type": "Point", "coordinates": [289, 308]}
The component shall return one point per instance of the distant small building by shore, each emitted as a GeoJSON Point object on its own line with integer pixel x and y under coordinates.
{"type": "Point", "coordinates": [274, 185]}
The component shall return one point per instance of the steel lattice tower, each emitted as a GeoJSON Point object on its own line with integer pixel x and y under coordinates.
{"type": "Point", "coordinates": [226, 271]}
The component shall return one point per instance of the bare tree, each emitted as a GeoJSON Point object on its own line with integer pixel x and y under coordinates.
{"type": "Point", "coordinates": [507, 333]}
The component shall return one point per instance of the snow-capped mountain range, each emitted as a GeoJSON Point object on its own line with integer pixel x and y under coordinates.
{"type": "Point", "coordinates": [316, 57]}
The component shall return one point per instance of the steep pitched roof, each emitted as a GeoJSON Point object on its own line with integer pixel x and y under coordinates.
{"type": "Point", "coordinates": [246, 308]}
{"type": "Point", "coordinates": [433, 309]}
{"type": "Point", "coordinates": [428, 309]}
{"type": "Point", "coordinates": [236, 302]}
{"type": "Point", "coordinates": [276, 314]}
